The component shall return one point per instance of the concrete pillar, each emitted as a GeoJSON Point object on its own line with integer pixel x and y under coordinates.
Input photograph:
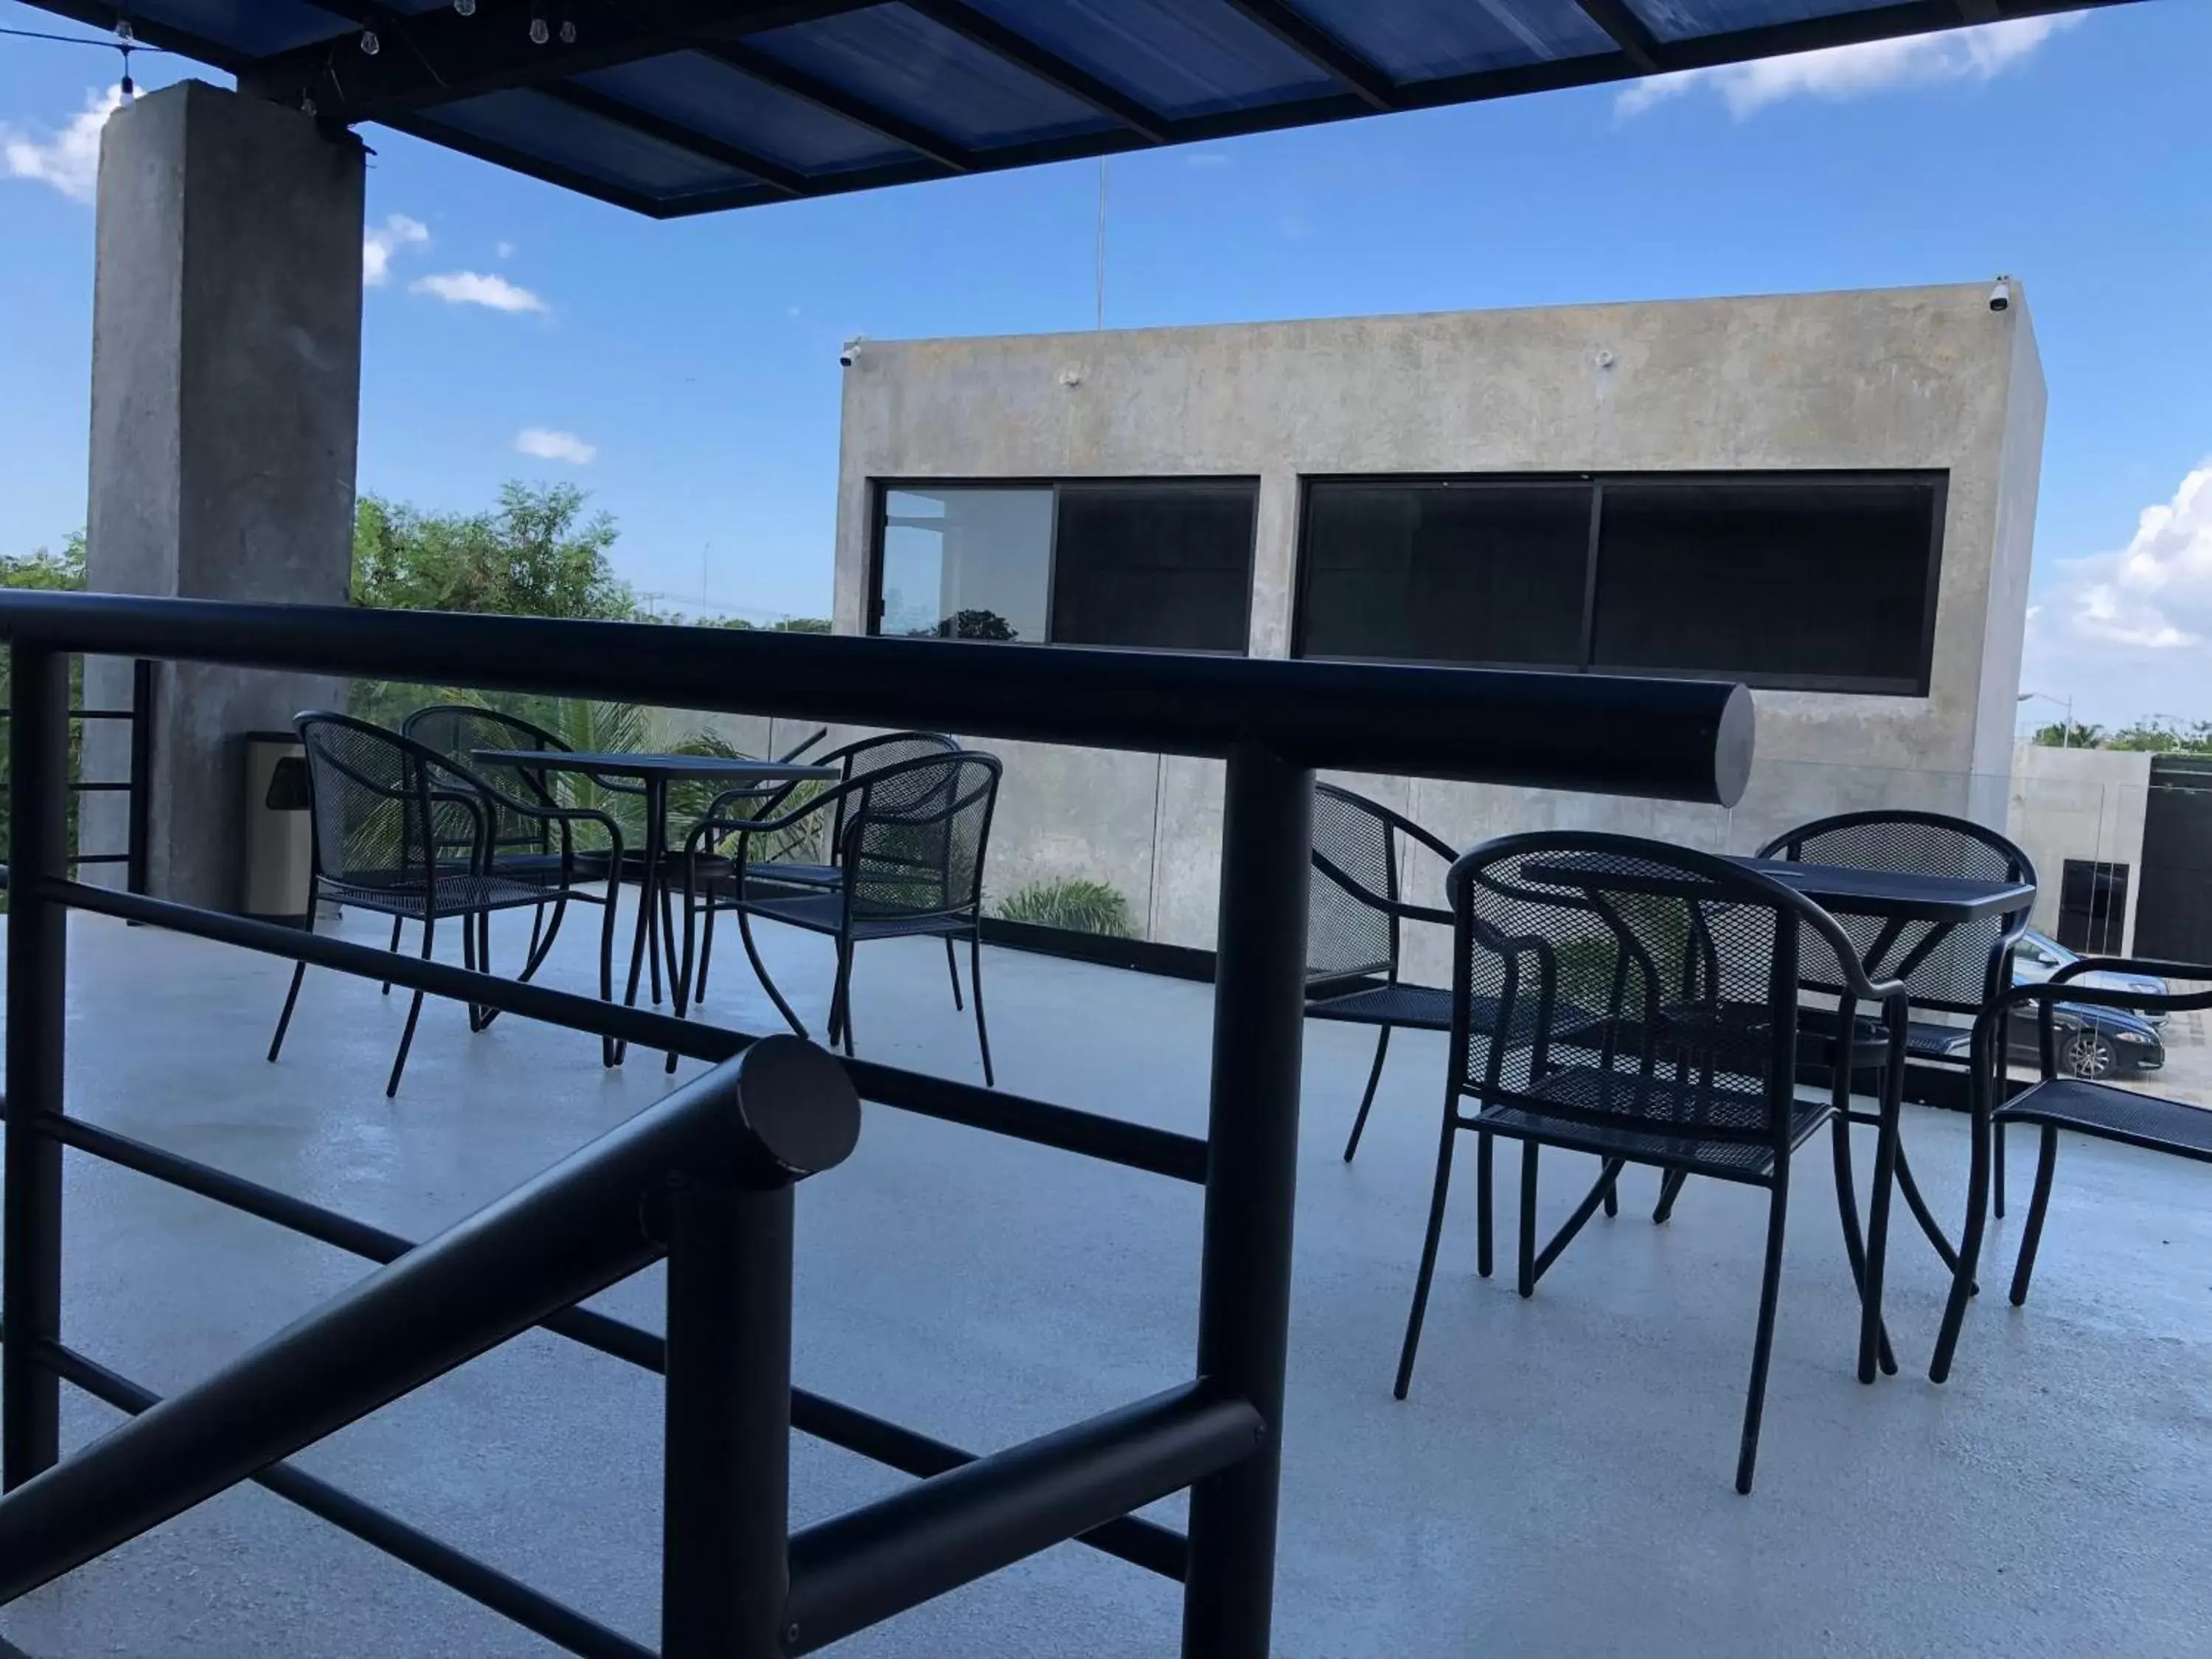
{"type": "Point", "coordinates": [226, 387]}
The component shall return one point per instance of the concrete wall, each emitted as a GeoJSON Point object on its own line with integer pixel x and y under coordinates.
{"type": "Point", "coordinates": [2078, 804]}
{"type": "Point", "coordinates": [1903, 378]}
{"type": "Point", "coordinates": [226, 375]}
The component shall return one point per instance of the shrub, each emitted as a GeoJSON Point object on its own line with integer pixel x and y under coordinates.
{"type": "Point", "coordinates": [1073, 902]}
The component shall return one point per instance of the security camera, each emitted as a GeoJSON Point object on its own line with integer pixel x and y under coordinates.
{"type": "Point", "coordinates": [2001, 295]}
{"type": "Point", "coordinates": [850, 353]}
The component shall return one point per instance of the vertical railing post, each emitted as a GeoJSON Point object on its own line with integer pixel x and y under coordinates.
{"type": "Point", "coordinates": [725, 1512]}
{"type": "Point", "coordinates": [726, 1563]}
{"type": "Point", "coordinates": [1251, 1186]}
{"type": "Point", "coordinates": [141, 797]}
{"type": "Point", "coordinates": [31, 1222]}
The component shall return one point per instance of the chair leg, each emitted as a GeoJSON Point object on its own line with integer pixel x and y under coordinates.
{"type": "Point", "coordinates": [610, 1050]}
{"type": "Point", "coordinates": [1762, 1347]}
{"type": "Point", "coordinates": [1847, 1208]}
{"type": "Point", "coordinates": [952, 967]}
{"type": "Point", "coordinates": [1910, 1189]}
{"type": "Point", "coordinates": [1608, 1179]}
{"type": "Point", "coordinates": [760, 972]}
{"type": "Point", "coordinates": [2038, 1204]}
{"type": "Point", "coordinates": [1969, 1262]}
{"type": "Point", "coordinates": [680, 968]}
{"type": "Point", "coordinates": [1367, 1100]}
{"type": "Point", "coordinates": [705, 952]}
{"type": "Point", "coordinates": [1999, 1171]}
{"type": "Point", "coordinates": [1428, 1272]}
{"type": "Point", "coordinates": [394, 948]}
{"type": "Point", "coordinates": [1611, 1199]}
{"type": "Point", "coordinates": [840, 999]}
{"type": "Point", "coordinates": [541, 948]}
{"type": "Point", "coordinates": [414, 1013]}
{"type": "Point", "coordinates": [1484, 1153]}
{"type": "Point", "coordinates": [1528, 1260]}
{"type": "Point", "coordinates": [976, 985]}
{"type": "Point", "coordinates": [1877, 1240]}
{"type": "Point", "coordinates": [1670, 1188]}
{"type": "Point", "coordinates": [285, 1019]}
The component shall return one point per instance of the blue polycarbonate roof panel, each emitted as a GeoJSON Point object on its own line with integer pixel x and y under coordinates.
{"type": "Point", "coordinates": [1687, 19]}
{"type": "Point", "coordinates": [1414, 41]}
{"type": "Point", "coordinates": [1182, 58]}
{"type": "Point", "coordinates": [726, 103]}
{"type": "Point", "coordinates": [257, 28]}
{"type": "Point", "coordinates": [900, 60]}
{"type": "Point", "coordinates": [538, 125]}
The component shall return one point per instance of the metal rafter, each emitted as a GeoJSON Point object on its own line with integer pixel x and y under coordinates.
{"type": "Point", "coordinates": [437, 56]}
{"type": "Point", "coordinates": [1323, 50]}
{"type": "Point", "coordinates": [835, 101]}
{"type": "Point", "coordinates": [676, 136]}
{"type": "Point", "coordinates": [1047, 66]}
{"type": "Point", "coordinates": [1629, 31]}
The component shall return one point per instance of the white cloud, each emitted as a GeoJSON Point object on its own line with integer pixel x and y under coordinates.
{"type": "Point", "coordinates": [2127, 630]}
{"type": "Point", "coordinates": [472, 288]}
{"type": "Point", "coordinates": [1837, 73]}
{"type": "Point", "coordinates": [549, 445]}
{"type": "Point", "coordinates": [505, 250]}
{"type": "Point", "coordinates": [68, 160]}
{"type": "Point", "coordinates": [377, 247]}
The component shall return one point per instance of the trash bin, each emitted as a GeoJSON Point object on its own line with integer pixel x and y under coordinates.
{"type": "Point", "coordinates": [279, 834]}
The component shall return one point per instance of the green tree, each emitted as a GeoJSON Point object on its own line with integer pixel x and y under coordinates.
{"type": "Point", "coordinates": [53, 572]}
{"type": "Point", "coordinates": [2059, 735]}
{"type": "Point", "coordinates": [2159, 737]}
{"type": "Point", "coordinates": [535, 555]}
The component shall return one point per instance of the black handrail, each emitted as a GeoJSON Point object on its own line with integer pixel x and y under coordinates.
{"type": "Point", "coordinates": [139, 786]}
{"type": "Point", "coordinates": [1670, 739]}
{"type": "Point", "coordinates": [736, 1585]}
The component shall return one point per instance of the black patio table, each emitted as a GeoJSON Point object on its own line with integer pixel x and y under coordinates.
{"type": "Point", "coordinates": [1899, 898]}
{"type": "Point", "coordinates": [655, 932]}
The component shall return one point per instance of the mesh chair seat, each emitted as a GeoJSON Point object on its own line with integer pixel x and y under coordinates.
{"type": "Point", "coordinates": [589, 864]}
{"type": "Point", "coordinates": [796, 875]}
{"type": "Point", "coordinates": [1422, 1007]}
{"type": "Point", "coordinates": [455, 894]}
{"type": "Point", "coordinates": [2111, 1113]}
{"type": "Point", "coordinates": [824, 913]}
{"type": "Point", "coordinates": [1675, 1111]}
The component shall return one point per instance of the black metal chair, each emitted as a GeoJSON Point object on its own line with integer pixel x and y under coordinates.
{"type": "Point", "coordinates": [1952, 970]}
{"type": "Point", "coordinates": [399, 829]}
{"type": "Point", "coordinates": [1353, 914]}
{"type": "Point", "coordinates": [2061, 1101]}
{"type": "Point", "coordinates": [1639, 1002]}
{"type": "Point", "coordinates": [525, 844]}
{"type": "Point", "coordinates": [773, 865]}
{"type": "Point", "coordinates": [911, 843]}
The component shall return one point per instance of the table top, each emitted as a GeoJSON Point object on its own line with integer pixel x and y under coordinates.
{"type": "Point", "coordinates": [622, 763]}
{"type": "Point", "coordinates": [1907, 894]}
{"type": "Point", "coordinates": [1903, 895]}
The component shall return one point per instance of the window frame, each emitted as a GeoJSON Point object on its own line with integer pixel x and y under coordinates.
{"type": "Point", "coordinates": [880, 490]}
{"type": "Point", "coordinates": [1937, 480]}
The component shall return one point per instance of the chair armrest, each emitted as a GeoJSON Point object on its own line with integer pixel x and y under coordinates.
{"type": "Point", "coordinates": [1376, 902]}
{"type": "Point", "coordinates": [2155, 969]}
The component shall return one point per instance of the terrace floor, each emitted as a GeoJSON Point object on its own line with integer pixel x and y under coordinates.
{"type": "Point", "coordinates": [1558, 1484]}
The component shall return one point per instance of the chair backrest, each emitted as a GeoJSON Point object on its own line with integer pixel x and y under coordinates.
{"type": "Point", "coordinates": [457, 729]}
{"type": "Point", "coordinates": [915, 835]}
{"type": "Point", "coordinates": [1348, 934]}
{"type": "Point", "coordinates": [872, 755]}
{"type": "Point", "coordinates": [1610, 980]}
{"type": "Point", "coordinates": [388, 812]}
{"type": "Point", "coordinates": [1956, 971]}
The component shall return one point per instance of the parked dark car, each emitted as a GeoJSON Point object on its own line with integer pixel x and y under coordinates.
{"type": "Point", "coordinates": [2111, 1044]}
{"type": "Point", "coordinates": [2038, 955]}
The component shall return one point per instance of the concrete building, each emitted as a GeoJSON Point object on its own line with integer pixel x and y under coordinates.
{"type": "Point", "coordinates": [1831, 496]}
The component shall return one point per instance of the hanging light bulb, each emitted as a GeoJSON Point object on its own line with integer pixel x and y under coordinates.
{"type": "Point", "coordinates": [370, 45]}
{"type": "Point", "coordinates": [465, 8]}
{"type": "Point", "coordinates": [125, 33]}
{"type": "Point", "coordinates": [539, 34]}
{"type": "Point", "coordinates": [568, 33]}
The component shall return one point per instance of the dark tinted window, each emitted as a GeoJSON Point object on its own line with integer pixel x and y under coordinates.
{"type": "Point", "coordinates": [1167, 566]}
{"type": "Point", "coordinates": [1163, 564]}
{"type": "Point", "coordinates": [1778, 582]}
{"type": "Point", "coordinates": [1446, 572]}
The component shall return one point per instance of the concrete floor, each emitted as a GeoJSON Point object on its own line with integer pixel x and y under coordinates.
{"type": "Point", "coordinates": [1558, 1484]}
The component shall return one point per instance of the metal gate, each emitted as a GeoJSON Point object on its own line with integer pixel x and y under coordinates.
{"type": "Point", "coordinates": [2173, 913]}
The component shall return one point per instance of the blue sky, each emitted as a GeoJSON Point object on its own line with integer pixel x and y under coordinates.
{"type": "Point", "coordinates": [694, 364]}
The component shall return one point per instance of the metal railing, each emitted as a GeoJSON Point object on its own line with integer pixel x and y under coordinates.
{"type": "Point", "coordinates": [139, 786]}
{"type": "Point", "coordinates": [736, 1583]}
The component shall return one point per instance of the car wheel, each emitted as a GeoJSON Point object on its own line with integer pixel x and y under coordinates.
{"type": "Point", "coordinates": [2088, 1054]}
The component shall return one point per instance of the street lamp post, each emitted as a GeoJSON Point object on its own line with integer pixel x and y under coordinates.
{"type": "Point", "coordinates": [2066, 732]}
